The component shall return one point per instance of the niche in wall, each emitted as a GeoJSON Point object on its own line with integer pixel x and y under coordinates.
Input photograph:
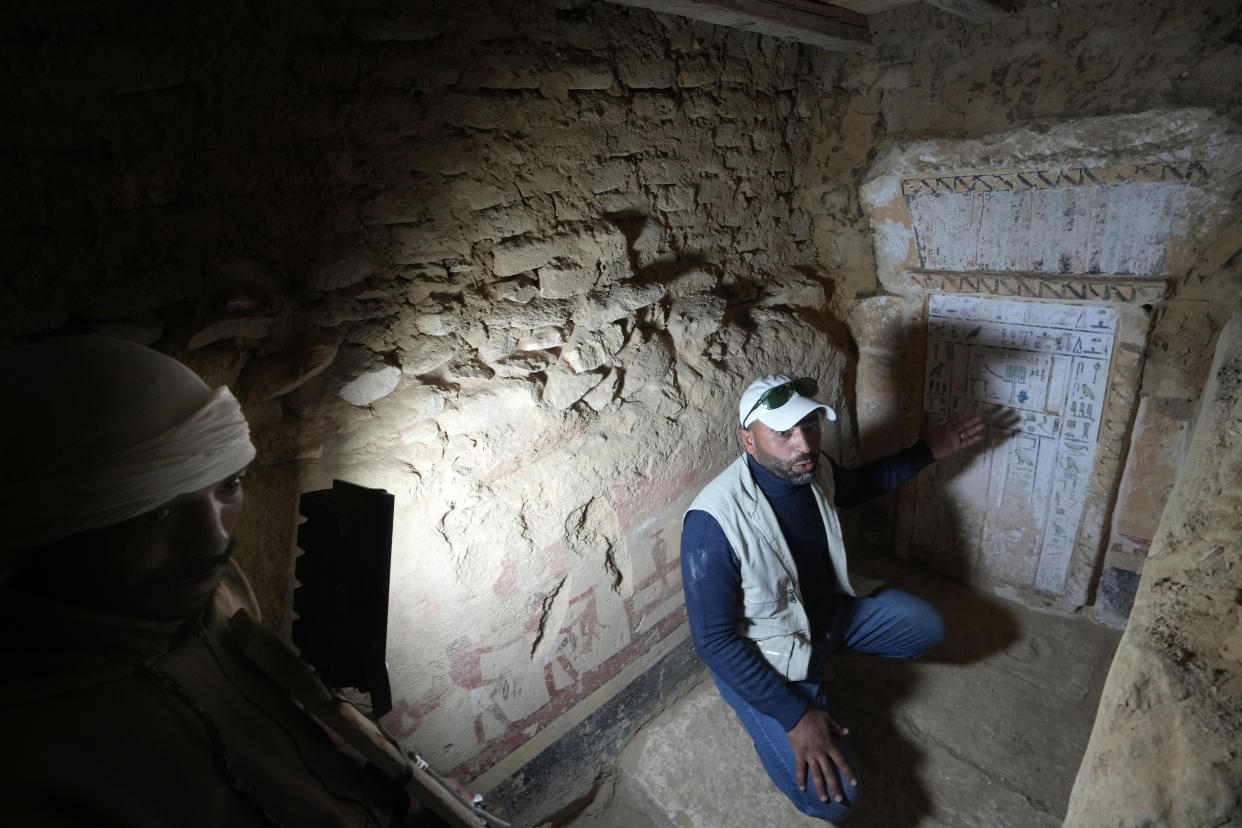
{"type": "Point", "coordinates": [1024, 270]}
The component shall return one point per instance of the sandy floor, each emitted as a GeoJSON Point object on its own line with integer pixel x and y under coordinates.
{"type": "Point", "coordinates": [987, 730]}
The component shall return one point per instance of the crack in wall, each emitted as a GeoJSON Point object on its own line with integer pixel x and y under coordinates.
{"type": "Point", "coordinates": [545, 611]}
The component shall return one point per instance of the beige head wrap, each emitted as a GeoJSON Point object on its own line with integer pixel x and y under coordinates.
{"type": "Point", "coordinates": [95, 431]}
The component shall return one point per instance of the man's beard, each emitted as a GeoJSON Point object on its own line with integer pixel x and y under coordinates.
{"type": "Point", "coordinates": [784, 468]}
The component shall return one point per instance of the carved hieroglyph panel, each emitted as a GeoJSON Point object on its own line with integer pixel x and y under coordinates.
{"type": "Point", "coordinates": [1038, 372]}
{"type": "Point", "coordinates": [1079, 220]}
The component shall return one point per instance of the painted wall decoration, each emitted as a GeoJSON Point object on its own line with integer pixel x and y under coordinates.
{"type": "Point", "coordinates": [1038, 372]}
{"type": "Point", "coordinates": [1116, 220]}
{"type": "Point", "coordinates": [1103, 289]}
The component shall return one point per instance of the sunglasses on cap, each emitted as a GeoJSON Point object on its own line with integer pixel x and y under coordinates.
{"type": "Point", "coordinates": [778, 395]}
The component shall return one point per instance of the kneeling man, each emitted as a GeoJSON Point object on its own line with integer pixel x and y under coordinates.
{"type": "Point", "coordinates": [768, 595]}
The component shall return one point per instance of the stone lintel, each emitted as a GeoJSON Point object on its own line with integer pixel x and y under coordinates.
{"type": "Point", "coordinates": [804, 21]}
{"type": "Point", "coordinates": [1118, 288]}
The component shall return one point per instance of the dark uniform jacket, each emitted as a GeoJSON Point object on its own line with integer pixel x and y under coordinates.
{"type": "Point", "coordinates": [106, 721]}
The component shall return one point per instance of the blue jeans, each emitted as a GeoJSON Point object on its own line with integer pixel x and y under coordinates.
{"type": "Point", "coordinates": [889, 623]}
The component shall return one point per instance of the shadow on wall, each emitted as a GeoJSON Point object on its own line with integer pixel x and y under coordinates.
{"type": "Point", "coordinates": [955, 555]}
{"type": "Point", "coordinates": [949, 516]}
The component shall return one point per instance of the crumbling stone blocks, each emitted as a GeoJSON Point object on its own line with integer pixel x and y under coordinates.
{"type": "Point", "coordinates": [600, 307]}
{"type": "Point", "coordinates": [589, 246]}
{"type": "Point", "coordinates": [794, 290]}
{"type": "Point", "coordinates": [466, 367]}
{"type": "Point", "coordinates": [588, 349]}
{"type": "Point", "coordinates": [239, 327]}
{"type": "Point", "coordinates": [647, 357]}
{"type": "Point", "coordinates": [275, 376]}
{"type": "Point", "coordinates": [648, 244]}
{"type": "Point", "coordinates": [696, 71]}
{"type": "Point", "coordinates": [479, 195]}
{"type": "Point", "coordinates": [692, 282]}
{"type": "Point", "coordinates": [661, 171]}
{"type": "Point", "coordinates": [523, 364]}
{"type": "Point", "coordinates": [548, 336]}
{"type": "Point", "coordinates": [366, 377]}
{"type": "Point", "coordinates": [728, 135]}
{"type": "Point", "coordinates": [694, 318]}
{"type": "Point", "coordinates": [435, 318]}
{"type": "Point", "coordinates": [502, 402]}
{"type": "Point", "coordinates": [546, 179]}
{"type": "Point", "coordinates": [616, 174]}
{"type": "Point", "coordinates": [699, 107]}
{"type": "Point", "coordinates": [596, 75]}
{"type": "Point", "coordinates": [563, 280]}
{"type": "Point", "coordinates": [429, 171]}
{"type": "Point", "coordinates": [652, 106]}
{"type": "Point", "coordinates": [423, 354]}
{"type": "Point", "coordinates": [510, 70]}
{"type": "Point", "coordinates": [602, 394]}
{"type": "Point", "coordinates": [341, 269]}
{"type": "Point", "coordinates": [416, 244]}
{"type": "Point", "coordinates": [537, 313]}
{"type": "Point", "coordinates": [564, 388]}
{"type": "Point", "coordinates": [674, 197]}
{"type": "Point", "coordinates": [640, 67]}
{"type": "Point", "coordinates": [503, 222]}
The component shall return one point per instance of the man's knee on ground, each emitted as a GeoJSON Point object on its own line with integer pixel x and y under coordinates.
{"type": "Point", "coordinates": [932, 631]}
{"type": "Point", "coordinates": [829, 811]}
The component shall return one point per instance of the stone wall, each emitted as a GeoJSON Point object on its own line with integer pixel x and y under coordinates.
{"type": "Point", "coordinates": [512, 262]}
{"type": "Point", "coordinates": [1175, 687]}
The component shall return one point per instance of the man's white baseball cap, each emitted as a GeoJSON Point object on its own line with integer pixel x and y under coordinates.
{"type": "Point", "coordinates": [784, 407]}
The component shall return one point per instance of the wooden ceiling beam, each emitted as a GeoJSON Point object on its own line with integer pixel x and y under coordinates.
{"type": "Point", "coordinates": [819, 24]}
{"type": "Point", "coordinates": [976, 11]}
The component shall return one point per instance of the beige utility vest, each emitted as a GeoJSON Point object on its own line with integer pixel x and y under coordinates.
{"type": "Point", "coordinates": [773, 614]}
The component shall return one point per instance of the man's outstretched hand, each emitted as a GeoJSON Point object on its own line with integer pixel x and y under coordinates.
{"type": "Point", "coordinates": [815, 750]}
{"type": "Point", "coordinates": [950, 437]}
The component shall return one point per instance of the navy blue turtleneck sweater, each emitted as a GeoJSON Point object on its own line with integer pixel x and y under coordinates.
{"type": "Point", "coordinates": [711, 574]}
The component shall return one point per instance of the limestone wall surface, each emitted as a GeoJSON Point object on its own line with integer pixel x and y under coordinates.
{"type": "Point", "coordinates": [1164, 749]}
{"type": "Point", "coordinates": [514, 261]}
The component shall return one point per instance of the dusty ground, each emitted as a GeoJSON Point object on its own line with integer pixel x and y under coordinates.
{"type": "Point", "coordinates": [987, 731]}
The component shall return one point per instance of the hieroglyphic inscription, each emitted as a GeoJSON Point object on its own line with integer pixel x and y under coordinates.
{"type": "Point", "coordinates": [1079, 220]}
{"type": "Point", "coordinates": [1047, 366]}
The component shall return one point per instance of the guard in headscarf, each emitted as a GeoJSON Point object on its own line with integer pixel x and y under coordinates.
{"type": "Point", "coordinates": [123, 698]}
